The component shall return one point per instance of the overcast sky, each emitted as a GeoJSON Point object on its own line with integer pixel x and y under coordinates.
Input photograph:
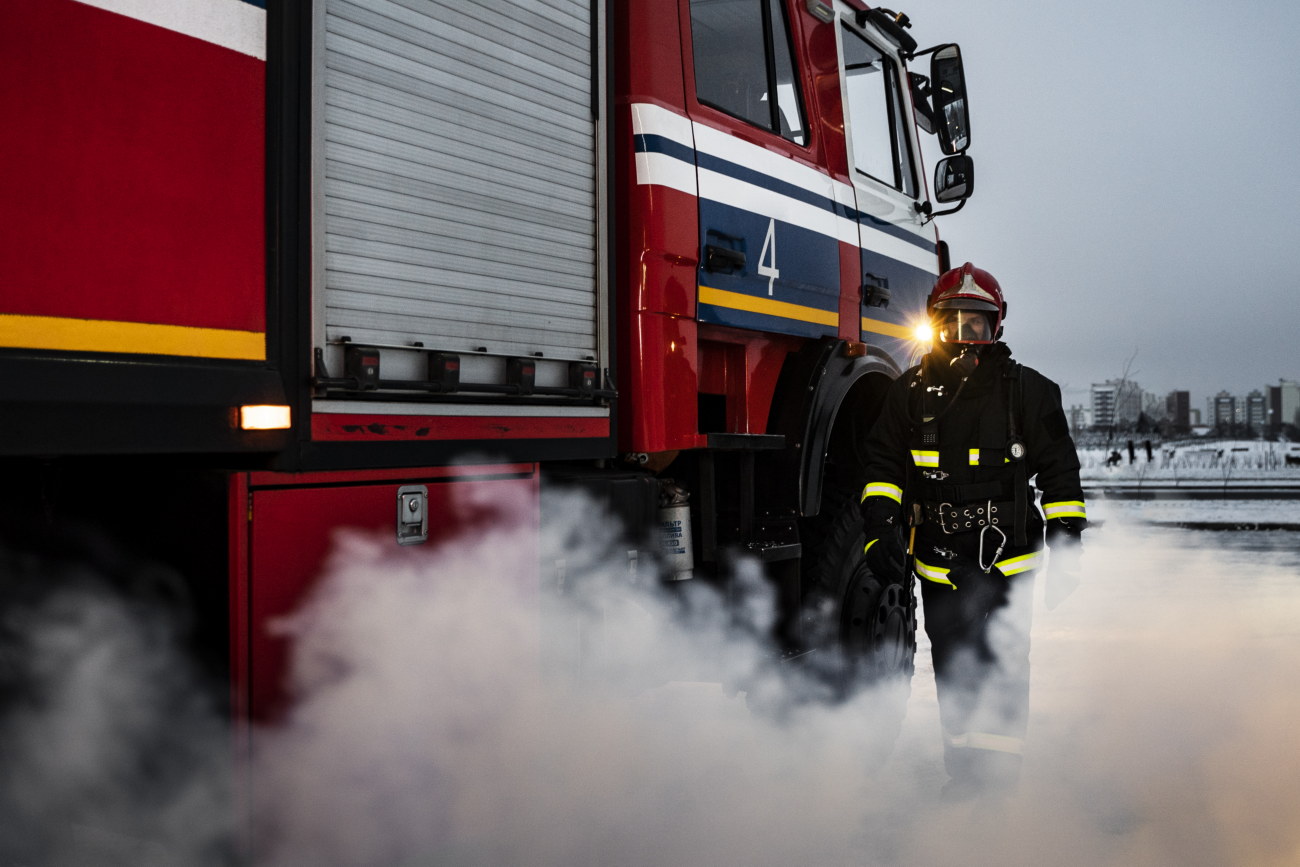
{"type": "Point", "coordinates": [1135, 189]}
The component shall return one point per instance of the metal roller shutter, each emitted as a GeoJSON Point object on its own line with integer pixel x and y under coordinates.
{"type": "Point", "coordinates": [456, 176]}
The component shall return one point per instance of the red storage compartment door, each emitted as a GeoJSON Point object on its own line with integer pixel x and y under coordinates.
{"type": "Point", "coordinates": [291, 533]}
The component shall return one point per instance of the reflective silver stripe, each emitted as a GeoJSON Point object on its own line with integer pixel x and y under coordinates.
{"type": "Point", "coordinates": [1065, 509]}
{"type": "Point", "coordinates": [1016, 565]}
{"type": "Point", "coordinates": [883, 489]}
{"type": "Point", "coordinates": [986, 741]}
{"type": "Point", "coordinates": [925, 458]}
{"type": "Point", "coordinates": [937, 574]}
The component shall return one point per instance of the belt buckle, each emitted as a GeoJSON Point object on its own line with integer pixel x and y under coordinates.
{"type": "Point", "coordinates": [944, 509]}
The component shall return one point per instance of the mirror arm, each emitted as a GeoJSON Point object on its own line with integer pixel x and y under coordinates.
{"type": "Point", "coordinates": [949, 211]}
{"type": "Point", "coordinates": [931, 50]}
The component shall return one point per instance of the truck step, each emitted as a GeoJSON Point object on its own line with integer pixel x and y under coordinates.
{"type": "Point", "coordinates": [746, 442]}
{"type": "Point", "coordinates": [774, 552]}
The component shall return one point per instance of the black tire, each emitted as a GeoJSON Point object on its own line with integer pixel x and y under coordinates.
{"type": "Point", "coordinates": [861, 630]}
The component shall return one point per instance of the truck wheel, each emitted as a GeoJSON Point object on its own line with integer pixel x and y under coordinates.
{"type": "Point", "coordinates": [862, 631]}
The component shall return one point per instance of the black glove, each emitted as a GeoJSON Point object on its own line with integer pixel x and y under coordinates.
{"type": "Point", "coordinates": [1065, 563]}
{"type": "Point", "coordinates": [886, 555]}
{"type": "Point", "coordinates": [882, 520]}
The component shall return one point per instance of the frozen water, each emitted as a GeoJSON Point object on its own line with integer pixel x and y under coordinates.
{"type": "Point", "coordinates": [1244, 511]}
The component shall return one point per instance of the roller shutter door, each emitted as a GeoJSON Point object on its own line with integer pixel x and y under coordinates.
{"type": "Point", "coordinates": [458, 184]}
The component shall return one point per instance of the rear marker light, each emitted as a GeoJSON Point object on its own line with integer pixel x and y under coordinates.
{"type": "Point", "coordinates": [264, 417]}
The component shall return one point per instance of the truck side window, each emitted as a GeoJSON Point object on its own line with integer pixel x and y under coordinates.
{"type": "Point", "coordinates": [877, 123]}
{"type": "Point", "coordinates": [742, 56]}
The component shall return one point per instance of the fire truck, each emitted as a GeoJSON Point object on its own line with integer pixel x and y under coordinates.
{"type": "Point", "coordinates": [271, 270]}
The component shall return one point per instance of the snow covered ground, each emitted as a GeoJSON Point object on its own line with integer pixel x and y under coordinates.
{"type": "Point", "coordinates": [1194, 462]}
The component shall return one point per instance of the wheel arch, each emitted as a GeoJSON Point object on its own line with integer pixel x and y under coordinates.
{"type": "Point", "coordinates": [825, 402]}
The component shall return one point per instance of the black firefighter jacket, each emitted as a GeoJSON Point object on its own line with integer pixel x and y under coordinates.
{"type": "Point", "coordinates": [943, 460]}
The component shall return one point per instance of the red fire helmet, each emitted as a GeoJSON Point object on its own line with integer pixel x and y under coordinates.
{"type": "Point", "coordinates": [967, 289]}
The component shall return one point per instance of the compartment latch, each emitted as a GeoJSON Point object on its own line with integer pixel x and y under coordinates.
{"type": "Point", "coordinates": [412, 514]}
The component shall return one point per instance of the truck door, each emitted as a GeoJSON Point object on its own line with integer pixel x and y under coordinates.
{"type": "Point", "coordinates": [899, 257]}
{"type": "Point", "coordinates": [769, 234]}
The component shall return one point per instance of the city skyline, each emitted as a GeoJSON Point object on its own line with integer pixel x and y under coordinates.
{"type": "Point", "coordinates": [1266, 408]}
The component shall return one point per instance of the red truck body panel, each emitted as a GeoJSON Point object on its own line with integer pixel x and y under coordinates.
{"type": "Point", "coordinates": [133, 213]}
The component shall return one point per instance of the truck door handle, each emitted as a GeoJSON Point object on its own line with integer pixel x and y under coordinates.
{"type": "Point", "coordinates": [875, 290]}
{"type": "Point", "coordinates": [722, 258]}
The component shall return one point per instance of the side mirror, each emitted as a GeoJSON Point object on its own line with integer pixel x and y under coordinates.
{"type": "Point", "coordinates": [954, 179]}
{"type": "Point", "coordinates": [948, 98]}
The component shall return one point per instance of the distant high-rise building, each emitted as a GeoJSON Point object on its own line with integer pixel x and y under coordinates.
{"type": "Point", "coordinates": [1078, 417]}
{"type": "Point", "coordinates": [1178, 407]}
{"type": "Point", "coordinates": [1103, 404]}
{"type": "Point", "coordinates": [1223, 410]}
{"type": "Point", "coordinates": [1153, 407]}
{"type": "Point", "coordinates": [1283, 405]}
{"type": "Point", "coordinates": [1194, 416]}
{"type": "Point", "coordinates": [1256, 411]}
{"type": "Point", "coordinates": [1116, 402]}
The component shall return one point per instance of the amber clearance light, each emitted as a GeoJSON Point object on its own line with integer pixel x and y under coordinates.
{"type": "Point", "coordinates": [264, 417]}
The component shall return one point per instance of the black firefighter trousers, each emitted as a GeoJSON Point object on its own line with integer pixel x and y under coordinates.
{"type": "Point", "coordinates": [978, 628]}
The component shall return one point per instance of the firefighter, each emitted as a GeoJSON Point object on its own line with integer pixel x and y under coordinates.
{"type": "Point", "coordinates": [948, 498]}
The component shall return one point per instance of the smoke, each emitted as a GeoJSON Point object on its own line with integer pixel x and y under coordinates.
{"type": "Point", "coordinates": [458, 707]}
{"type": "Point", "coordinates": [110, 752]}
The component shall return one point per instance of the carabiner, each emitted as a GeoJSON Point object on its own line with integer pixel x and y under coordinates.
{"type": "Point", "coordinates": [997, 553]}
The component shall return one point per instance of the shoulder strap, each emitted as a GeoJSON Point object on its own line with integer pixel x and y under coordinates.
{"type": "Point", "coordinates": [1015, 381]}
{"type": "Point", "coordinates": [1013, 375]}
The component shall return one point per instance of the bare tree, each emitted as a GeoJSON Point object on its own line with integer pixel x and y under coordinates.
{"type": "Point", "coordinates": [1128, 394]}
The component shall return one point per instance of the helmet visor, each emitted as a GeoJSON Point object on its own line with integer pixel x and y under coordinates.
{"type": "Point", "coordinates": [964, 326]}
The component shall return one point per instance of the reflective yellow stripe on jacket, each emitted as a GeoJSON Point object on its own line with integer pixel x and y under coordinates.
{"type": "Point", "coordinates": [937, 574]}
{"type": "Point", "coordinates": [1016, 565]}
{"type": "Point", "coordinates": [883, 489]}
{"type": "Point", "coordinates": [1065, 509]}
{"type": "Point", "coordinates": [925, 458]}
{"type": "Point", "coordinates": [1010, 566]}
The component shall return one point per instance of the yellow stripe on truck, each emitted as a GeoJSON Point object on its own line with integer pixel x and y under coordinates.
{"type": "Point", "coordinates": [767, 306]}
{"type": "Point", "coordinates": [889, 329]}
{"type": "Point", "coordinates": [135, 338]}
